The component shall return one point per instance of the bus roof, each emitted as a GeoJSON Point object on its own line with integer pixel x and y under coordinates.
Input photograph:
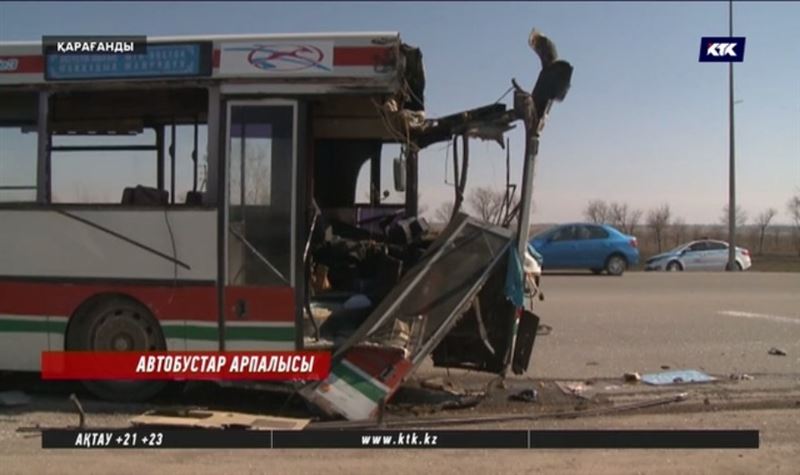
{"type": "Point", "coordinates": [349, 60]}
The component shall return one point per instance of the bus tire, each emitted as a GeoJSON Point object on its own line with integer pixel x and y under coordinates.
{"type": "Point", "coordinates": [117, 323]}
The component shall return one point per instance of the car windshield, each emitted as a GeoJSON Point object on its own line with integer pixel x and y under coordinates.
{"type": "Point", "coordinates": [675, 250]}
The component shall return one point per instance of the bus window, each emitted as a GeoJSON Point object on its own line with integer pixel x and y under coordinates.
{"type": "Point", "coordinates": [18, 151]}
{"type": "Point", "coordinates": [187, 178]}
{"type": "Point", "coordinates": [84, 176]}
{"type": "Point", "coordinates": [381, 190]}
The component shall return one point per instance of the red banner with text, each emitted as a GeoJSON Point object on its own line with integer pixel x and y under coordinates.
{"type": "Point", "coordinates": [186, 365]}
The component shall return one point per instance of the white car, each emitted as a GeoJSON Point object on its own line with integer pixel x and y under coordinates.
{"type": "Point", "coordinates": [702, 255]}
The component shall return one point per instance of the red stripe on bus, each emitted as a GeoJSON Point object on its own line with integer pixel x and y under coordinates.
{"type": "Point", "coordinates": [362, 56]}
{"type": "Point", "coordinates": [215, 59]}
{"type": "Point", "coordinates": [25, 64]}
{"type": "Point", "coordinates": [270, 304]}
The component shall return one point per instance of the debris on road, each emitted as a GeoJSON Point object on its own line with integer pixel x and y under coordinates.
{"type": "Point", "coordinates": [776, 352]}
{"type": "Point", "coordinates": [632, 377]}
{"type": "Point", "coordinates": [430, 422]}
{"type": "Point", "coordinates": [741, 377]}
{"type": "Point", "coordinates": [14, 398]}
{"type": "Point", "coordinates": [440, 384]}
{"type": "Point", "coordinates": [526, 395]}
{"type": "Point", "coordinates": [217, 420]}
{"type": "Point", "coordinates": [677, 377]}
{"type": "Point", "coordinates": [665, 366]}
{"type": "Point", "coordinates": [578, 389]}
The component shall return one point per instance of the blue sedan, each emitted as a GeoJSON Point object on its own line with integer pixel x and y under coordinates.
{"type": "Point", "coordinates": [597, 247]}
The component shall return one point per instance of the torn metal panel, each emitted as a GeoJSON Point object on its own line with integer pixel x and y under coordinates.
{"type": "Point", "coordinates": [487, 122]}
{"type": "Point", "coordinates": [359, 382]}
{"type": "Point", "coordinates": [414, 318]}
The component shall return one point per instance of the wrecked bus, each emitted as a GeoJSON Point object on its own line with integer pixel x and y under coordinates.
{"type": "Point", "coordinates": [230, 218]}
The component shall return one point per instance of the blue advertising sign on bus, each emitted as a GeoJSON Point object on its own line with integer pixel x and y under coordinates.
{"type": "Point", "coordinates": [160, 61]}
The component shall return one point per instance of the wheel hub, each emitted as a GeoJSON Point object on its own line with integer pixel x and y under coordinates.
{"type": "Point", "coordinates": [122, 330]}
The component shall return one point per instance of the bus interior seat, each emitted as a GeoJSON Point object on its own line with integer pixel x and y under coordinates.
{"type": "Point", "coordinates": [144, 196]}
{"type": "Point", "coordinates": [194, 198]}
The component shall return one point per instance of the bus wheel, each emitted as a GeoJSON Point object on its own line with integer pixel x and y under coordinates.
{"type": "Point", "coordinates": [118, 324]}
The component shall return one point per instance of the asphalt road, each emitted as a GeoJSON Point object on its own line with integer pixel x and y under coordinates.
{"type": "Point", "coordinates": [718, 322]}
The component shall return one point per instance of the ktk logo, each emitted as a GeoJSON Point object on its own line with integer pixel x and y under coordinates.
{"type": "Point", "coordinates": [722, 49]}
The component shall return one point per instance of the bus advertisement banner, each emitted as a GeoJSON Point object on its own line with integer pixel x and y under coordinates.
{"type": "Point", "coordinates": [180, 60]}
{"type": "Point", "coordinates": [184, 365]}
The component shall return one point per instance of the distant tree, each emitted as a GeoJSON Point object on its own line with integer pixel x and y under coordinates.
{"type": "Point", "coordinates": [597, 211]}
{"type": "Point", "coordinates": [486, 202]}
{"type": "Point", "coordinates": [679, 230]}
{"type": "Point", "coordinates": [793, 206]}
{"type": "Point", "coordinates": [741, 217]}
{"type": "Point", "coordinates": [443, 212]}
{"type": "Point", "coordinates": [658, 219]}
{"type": "Point", "coordinates": [763, 220]}
{"type": "Point", "coordinates": [622, 218]}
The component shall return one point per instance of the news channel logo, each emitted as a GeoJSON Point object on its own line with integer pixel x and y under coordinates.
{"type": "Point", "coordinates": [722, 49]}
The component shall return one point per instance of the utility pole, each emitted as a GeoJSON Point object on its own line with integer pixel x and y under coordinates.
{"type": "Point", "coordinates": [732, 162]}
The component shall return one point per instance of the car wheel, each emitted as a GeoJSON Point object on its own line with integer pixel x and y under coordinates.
{"type": "Point", "coordinates": [118, 324]}
{"type": "Point", "coordinates": [738, 266]}
{"type": "Point", "coordinates": [615, 265]}
{"type": "Point", "coordinates": [674, 266]}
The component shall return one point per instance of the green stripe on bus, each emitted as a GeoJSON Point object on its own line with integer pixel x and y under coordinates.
{"type": "Point", "coordinates": [34, 325]}
{"type": "Point", "coordinates": [190, 332]}
{"type": "Point", "coordinates": [357, 381]}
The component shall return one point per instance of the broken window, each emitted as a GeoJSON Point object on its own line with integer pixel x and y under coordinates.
{"type": "Point", "coordinates": [18, 151]}
{"type": "Point", "coordinates": [138, 147]}
{"type": "Point", "coordinates": [18, 147]}
{"type": "Point", "coordinates": [81, 175]}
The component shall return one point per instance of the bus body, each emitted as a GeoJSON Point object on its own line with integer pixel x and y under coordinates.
{"type": "Point", "coordinates": [220, 162]}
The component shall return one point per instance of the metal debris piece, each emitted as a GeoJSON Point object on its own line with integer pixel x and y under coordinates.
{"type": "Point", "coordinates": [217, 420]}
{"type": "Point", "coordinates": [577, 388]}
{"type": "Point", "coordinates": [81, 413]}
{"type": "Point", "coordinates": [632, 377]}
{"type": "Point", "coordinates": [526, 395]}
{"type": "Point", "coordinates": [776, 352]}
{"type": "Point", "coordinates": [677, 377]}
{"type": "Point", "coordinates": [440, 384]}
{"type": "Point", "coordinates": [14, 398]}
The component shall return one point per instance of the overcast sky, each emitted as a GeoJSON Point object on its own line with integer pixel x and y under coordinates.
{"type": "Point", "coordinates": [645, 123]}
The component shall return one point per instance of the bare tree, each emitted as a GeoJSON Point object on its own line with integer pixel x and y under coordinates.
{"type": "Point", "coordinates": [658, 219]}
{"type": "Point", "coordinates": [486, 202]}
{"type": "Point", "coordinates": [679, 230]}
{"type": "Point", "coordinates": [597, 211]}
{"type": "Point", "coordinates": [741, 217]}
{"type": "Point", "coordinates": [763, 220]}
{"type": "Point", "coordinates": [793, 206]}
{"type": "Point", "coordinates": [443, 212]}
{"type": "Point", "coordinates": [623, 218]}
